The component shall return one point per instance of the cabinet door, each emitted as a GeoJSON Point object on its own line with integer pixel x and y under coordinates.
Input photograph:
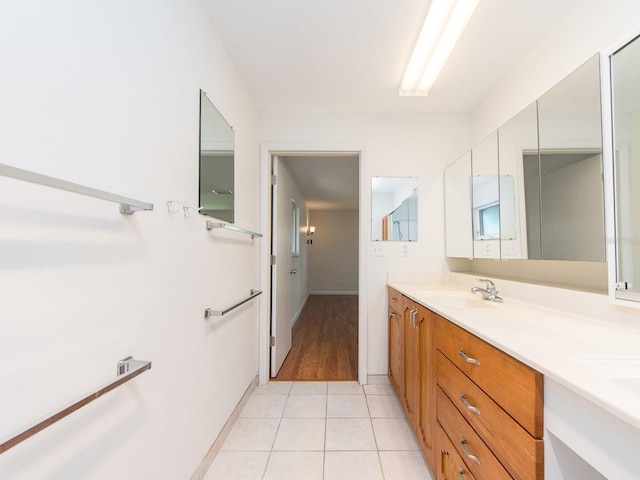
{"type": "Point", "coordinates": [427, 412]}
{"type": "Point", "coordinates": [411, 363]}
{"type": "Point", "coordinates": [396, 352]}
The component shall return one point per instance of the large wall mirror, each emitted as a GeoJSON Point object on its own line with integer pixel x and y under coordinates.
{"type": "Point", "coordinates": [216, 163]}
{"type": "Point", "coordinates": [625, 84]}
{"type": "Point", "coordinates": [537, 185]}
{"type": "Point", "coordinates": [394, 209]}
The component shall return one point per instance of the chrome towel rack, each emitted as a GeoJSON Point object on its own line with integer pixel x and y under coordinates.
{"type": "Point", "coordinates": [128, 206]}
{"type": "Point", "coordinates": [208, 312]}
{"type": "Point", "coordinates": [127, 369]}
{"type": "Point", "coordinates": [211, 225]}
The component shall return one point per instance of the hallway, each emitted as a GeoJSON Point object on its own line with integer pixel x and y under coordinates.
{"type": "Point", "coordinates": [325, 341]}
{"type": "Point", "coordinates": [320, 431]}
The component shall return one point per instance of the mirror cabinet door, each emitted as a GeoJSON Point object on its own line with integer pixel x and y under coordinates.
{"type": "Point", "coordinates": [571, 184]}
{"type": "Point", "coordinates": [457, 199]}
{"type": "Point", "coordinates": [394, 209]}
{"type": "Point", "coordinates": [518, 144]}
{"type": "Point", "coordinates": [625, 84]}
{"type": "Point", "coordinates": [485, 198]}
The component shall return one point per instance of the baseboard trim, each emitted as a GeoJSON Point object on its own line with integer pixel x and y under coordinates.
{"type": "Point", "coordinates": [208, 459]}
{"type": "Point", "coordinates": [297, 315]}
{"type": "Point", "coordinates": [333, 293]}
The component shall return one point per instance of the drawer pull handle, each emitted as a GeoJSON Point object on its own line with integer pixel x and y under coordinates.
{"type": "Point", "coordinates": [470, 456]}
{"type": "Point", "coordinates": [468, 359]}
{"type": "Point", "coordinates": [393, 314]}
{"type": "Point", "coordinates": [394, 299]}
{"type": "Point", "coordinates": [471, 408]}
{"type": "Point", "coordinates": [461, 473]}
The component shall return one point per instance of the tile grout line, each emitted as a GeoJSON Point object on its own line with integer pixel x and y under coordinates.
{"type": "Point", "coordinates": [375, 438]}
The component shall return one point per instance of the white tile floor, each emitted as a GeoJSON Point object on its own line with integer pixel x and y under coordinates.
{"type": "Point", "coordinates": [320, 430]}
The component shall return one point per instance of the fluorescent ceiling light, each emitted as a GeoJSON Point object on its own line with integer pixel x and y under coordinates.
{"type": "Point", "coordinates": [442, 28]}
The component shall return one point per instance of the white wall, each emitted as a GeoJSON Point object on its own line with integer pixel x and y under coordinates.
{"type": "Point", "coordinates": [590, 27]}
{"type": "Point", "coordinates": [333, 255]}
{"type": "Point", "coordinates": [106, 94]}
{"type": "Point", "coordinates": [417, 145]}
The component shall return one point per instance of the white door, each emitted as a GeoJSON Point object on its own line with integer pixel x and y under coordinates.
{"type": "Point", "coordinates": [282, 273]}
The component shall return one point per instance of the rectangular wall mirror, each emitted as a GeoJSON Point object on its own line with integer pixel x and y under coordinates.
{"type": "Point", "coordinates": [394, 209]}
{"type": "Point", "coordinates": [625, 85]}
{"type": "Point", "coordinates": [216, 197]}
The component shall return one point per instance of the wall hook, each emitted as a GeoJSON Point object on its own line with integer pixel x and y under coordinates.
{"type": "Point", "coordinates": [173, 205]}
{"type": "Point", "coordinates": [187, 208]}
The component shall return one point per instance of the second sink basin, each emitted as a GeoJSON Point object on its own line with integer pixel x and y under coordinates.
{"type": "Point", "coordinates": [622, 371]}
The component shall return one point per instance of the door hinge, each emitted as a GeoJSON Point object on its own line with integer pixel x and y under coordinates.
{"type": "Point", "coordinates": [272, 341]}
{"type": "Point", "coordinates": [623, 286]}
{"type": "Point", "coordinates": [273, 179]}
{"type": "Point", "coordinates": [273, 259]}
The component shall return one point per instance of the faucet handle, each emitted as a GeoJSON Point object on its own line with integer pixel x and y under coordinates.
{"type": "Point", "coordinates": [491, 287]}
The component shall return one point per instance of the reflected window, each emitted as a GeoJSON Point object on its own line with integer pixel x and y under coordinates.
{"type": "Point", "coordinates": [295, 229]}
{"type": "Point", "coordinates": [490, 221]}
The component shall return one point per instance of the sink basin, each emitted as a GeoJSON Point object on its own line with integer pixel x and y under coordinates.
{"type": "Point", "coordinates": [458, 300]}
{"type": "Point", "coordinates": [622, 371]}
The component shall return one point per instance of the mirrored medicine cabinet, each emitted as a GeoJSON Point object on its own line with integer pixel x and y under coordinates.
{"type": "Point", "coordinates": [216, 186]}
{"type": "Point", "coordinates": [536, 188]}
{"type": "Point", "coordinates": [625, 92]}
{"type": "Point", "coordinates": [394, 209]}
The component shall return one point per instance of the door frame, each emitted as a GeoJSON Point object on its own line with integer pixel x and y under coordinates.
{"type": "Point", "coordinates": [284, 148]}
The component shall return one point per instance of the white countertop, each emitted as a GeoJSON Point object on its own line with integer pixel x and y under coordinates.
{"type": "Point", "coordinates": [597, 359]}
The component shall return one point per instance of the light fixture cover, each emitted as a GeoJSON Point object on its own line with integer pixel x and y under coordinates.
{"type": "Point", "coordinates": [440, 32]}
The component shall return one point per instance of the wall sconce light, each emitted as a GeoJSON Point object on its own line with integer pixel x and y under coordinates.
{"type": "Point", "coordinates": [442, 28]}
{"type": "Point", "coordinates": [311, 230]}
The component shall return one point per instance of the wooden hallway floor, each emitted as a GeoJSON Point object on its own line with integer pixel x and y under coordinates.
{"type": "Point", "coordinates": [325, 341]}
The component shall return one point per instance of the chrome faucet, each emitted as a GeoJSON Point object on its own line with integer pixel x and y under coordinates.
{"type": "Point", "coordinates": [489, 293]}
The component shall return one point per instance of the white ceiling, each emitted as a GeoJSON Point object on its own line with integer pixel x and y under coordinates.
{"type": "Point", "coordinates": [328, 182]}
{"type": "Point", "coordinates": [350, 55]}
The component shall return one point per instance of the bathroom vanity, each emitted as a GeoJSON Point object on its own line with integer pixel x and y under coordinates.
{"type": "Point", "coordinates": [477, 377]}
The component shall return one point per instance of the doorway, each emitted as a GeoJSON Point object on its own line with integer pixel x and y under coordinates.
{"type": "Point", "coordinates": [315, 280]}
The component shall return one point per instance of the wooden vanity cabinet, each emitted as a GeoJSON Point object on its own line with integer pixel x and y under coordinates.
{"type": "Point", "coordinates": [412, 367]}
{"type": "Point", "coordinates": [489, 405]}
{"type": "Point", "coordinates": [475, 410]}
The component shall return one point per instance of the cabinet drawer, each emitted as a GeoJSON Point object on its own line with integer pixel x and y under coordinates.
{"type": "Point", "coordinates": [510, 383]}
{"type": "Point", "coordinates": [519, 452]}
{"type": "Point", "coordinates": [450, 465]}
{"type": "Point", "coordinates": [478, 458]}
